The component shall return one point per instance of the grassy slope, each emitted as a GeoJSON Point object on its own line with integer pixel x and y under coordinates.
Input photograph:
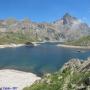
{"type": "Point", "coordinates": [66, 80]}
{"type": "Point", "coordinates": [84, 41]}
{"type": "Point", "coordinates": [17, 38]}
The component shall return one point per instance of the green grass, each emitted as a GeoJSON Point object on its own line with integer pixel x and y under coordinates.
{"type": "Point", "coordinates": [17, 38]}
{"type": "Point", "coordinates": [57, 81]}
{"type": "Point", "coordinates": [84, 41]}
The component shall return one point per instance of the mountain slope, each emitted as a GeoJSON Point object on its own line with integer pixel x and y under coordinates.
{"type": "Point", "coordinates": [84, 41]}
{"type": "Point", "coordinates": [67, 28]}
{"type": "Point", "coordinates": [71, 27]}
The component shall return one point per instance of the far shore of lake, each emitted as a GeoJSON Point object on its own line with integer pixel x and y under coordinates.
{"type": "Point", "coordinates": [71, 46]}
{"type": "Point", "coordinates": [17, 45]}
{"type": "Point", "coordinates": [11, 45]}
{"type": "Point", "coordinates": [38, 43]}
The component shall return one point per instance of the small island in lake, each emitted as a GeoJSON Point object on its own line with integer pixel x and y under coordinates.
{"type": "Point", "coordinates": [29, 44]}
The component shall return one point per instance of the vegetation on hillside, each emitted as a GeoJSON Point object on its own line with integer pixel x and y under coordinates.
{"type": "Point", "coordinates": [84, 41]}
{"type": "Point", "coordinates": [67, 79]}
{"type": "Point", "coordinates": [16, 37]}
{"type": "Point", "coordinates": [61, 81]}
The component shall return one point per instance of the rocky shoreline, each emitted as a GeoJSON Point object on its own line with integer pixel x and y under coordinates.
{"type": "Point", "coordinates": [38, 43]}
{"type": "Point", "coordinates": [11, 45]}
{"type": "Point", "coordinates": [17, 45]}
{"type": "Point", "coordinates": [70, 46]}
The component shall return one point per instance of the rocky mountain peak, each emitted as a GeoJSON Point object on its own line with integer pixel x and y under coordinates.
{"type": "Point", "coordinates": [62, 29]}
{"type": "Point", "coordinates": [68, 19]}
{"type": "Point", "coordinates": [67, 15]}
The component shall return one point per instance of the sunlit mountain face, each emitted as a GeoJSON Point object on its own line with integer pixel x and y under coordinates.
{"type": "Point", "coordinates": [63, 29]}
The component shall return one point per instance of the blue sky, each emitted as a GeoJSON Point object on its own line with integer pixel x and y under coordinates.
{"type": "Point", "coordinates": [44, 10]}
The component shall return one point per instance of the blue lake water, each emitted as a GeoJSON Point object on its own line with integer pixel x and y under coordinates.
{"type": "Point", "coordinates": [40, 59]}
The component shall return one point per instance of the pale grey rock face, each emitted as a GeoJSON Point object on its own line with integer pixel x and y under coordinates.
{"type": "Point", "coordinates": [78, 65]}
{"type": "Point", "coordinates": [66, 28]}
{"type": "Point", "coordinates": [68, 19]}
{"type": "Point", "coordinates": [71, 27]}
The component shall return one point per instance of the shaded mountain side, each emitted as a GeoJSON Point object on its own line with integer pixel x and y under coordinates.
{"type": "Point", "coordinates": [66, 28]}
{"type": "Point", "coordinates": [74, 75]}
